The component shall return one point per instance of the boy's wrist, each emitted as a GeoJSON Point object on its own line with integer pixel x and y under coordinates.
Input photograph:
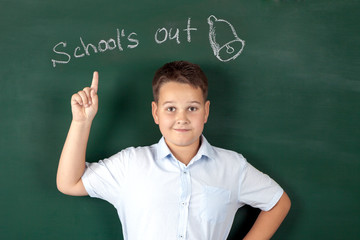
{"type": "Point", "coordinates": [82, 123]}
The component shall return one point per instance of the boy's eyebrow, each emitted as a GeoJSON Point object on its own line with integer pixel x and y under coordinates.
{"type": "Point", "coordinates": [197, 102]}
{"type": "Point", "coordinates": [171, 102]}
{"type": "Point", "coordinates": [168, 102]}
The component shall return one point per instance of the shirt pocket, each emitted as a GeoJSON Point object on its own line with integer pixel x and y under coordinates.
{"type": "Point", "coordinates": [214, 204]}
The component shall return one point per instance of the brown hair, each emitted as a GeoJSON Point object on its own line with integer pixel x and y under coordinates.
{"type": "Point", "coordinates": [182, 72]}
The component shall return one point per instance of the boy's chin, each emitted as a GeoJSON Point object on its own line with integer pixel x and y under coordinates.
{"type": "Point", "coordinates": [182, 142]}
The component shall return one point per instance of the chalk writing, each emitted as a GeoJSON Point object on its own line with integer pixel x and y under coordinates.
{"type": "Point", "coordinates": [168, 34]}
{"type": "Point", "coordinates": [102, 46]}
{"type": "Point", "coordinates": [225, 51]}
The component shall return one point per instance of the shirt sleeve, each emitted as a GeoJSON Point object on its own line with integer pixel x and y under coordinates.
{"type": "Point", "coordinates": [104, 179]}
{"type": "Point", "coordinates": [258, 189]}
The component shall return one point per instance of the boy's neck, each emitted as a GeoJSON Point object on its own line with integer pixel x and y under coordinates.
{"type": "Point", "coordinates": [184, 154]}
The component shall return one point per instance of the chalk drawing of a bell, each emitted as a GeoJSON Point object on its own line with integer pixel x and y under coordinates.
{"type": "Point", "coordinates": [224, 40]}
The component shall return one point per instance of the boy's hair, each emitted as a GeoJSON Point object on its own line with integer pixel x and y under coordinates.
{"type": "Point", "coordinates": [181, 72]}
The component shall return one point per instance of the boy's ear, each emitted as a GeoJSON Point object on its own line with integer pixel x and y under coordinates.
{"type": "Point", "coordinates": [207, 110]}
{"type": "Point", "coordinates": [154, 112]}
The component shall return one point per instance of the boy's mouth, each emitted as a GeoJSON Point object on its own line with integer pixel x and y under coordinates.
{"type": "Point", "coordinates": [181, 130]}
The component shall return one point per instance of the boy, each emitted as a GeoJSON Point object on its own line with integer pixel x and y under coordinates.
{"type": "Point", "coordinates": [181, 187]}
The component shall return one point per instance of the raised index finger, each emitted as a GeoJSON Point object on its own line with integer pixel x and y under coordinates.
{"type": "Point", "coordinates": [95, 81]}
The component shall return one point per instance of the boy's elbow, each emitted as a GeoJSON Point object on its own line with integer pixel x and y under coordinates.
{"type": "Point", "coordinates": [65, 190]}
{"type": "Point", "coordinates": [77, 189]}
{"type": "Point", "coordinates": [61, 188]}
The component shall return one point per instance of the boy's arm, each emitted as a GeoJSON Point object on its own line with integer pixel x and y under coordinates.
{"type": "Point", "coordinates": [269, 221]}
{"type": "Point", "coordinates": [84, 106]}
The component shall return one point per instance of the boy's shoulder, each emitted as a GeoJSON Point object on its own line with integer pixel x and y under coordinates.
{"type": "Point", "coordinates": [228, 155]}
{"type": "Point", "coordinates": [139, 151]}
{"type": "Point", "coordinates": [222, 155]}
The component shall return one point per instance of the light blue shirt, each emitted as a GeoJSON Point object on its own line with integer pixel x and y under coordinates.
{"type": "Point", "coordinates": [159, 198]}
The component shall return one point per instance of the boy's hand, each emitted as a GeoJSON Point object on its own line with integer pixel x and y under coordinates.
{"type": "Point", "coordinates": [84, 104]}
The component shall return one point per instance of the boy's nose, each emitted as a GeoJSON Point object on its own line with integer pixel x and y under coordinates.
{"type": "Point", "coordinates": [182, 118]}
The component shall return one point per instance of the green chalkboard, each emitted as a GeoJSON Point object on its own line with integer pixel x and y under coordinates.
{"type": "Point", "coordinates": [284, 90]}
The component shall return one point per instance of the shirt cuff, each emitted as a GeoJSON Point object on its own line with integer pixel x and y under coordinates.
{"type": "Point", "coordinates": [274, 200]}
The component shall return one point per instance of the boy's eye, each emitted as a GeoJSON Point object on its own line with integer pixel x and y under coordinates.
{"type": "Point", "coordinates": [170, 109]}
{"type": "Point", "coordinates": [192, 109]}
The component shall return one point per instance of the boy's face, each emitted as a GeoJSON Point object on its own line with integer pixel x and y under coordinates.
{"type": "Point", "coordinates": [181, 113]}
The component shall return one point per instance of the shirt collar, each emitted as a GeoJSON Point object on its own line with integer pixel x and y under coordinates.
{"type": "Point", "coordinates": [163, 150]}
{"type": "Point", "coordinates": [205, 150]}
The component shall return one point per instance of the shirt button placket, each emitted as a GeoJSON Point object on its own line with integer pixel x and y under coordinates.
{"type": "Point", "coordinates": [184, 203]}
